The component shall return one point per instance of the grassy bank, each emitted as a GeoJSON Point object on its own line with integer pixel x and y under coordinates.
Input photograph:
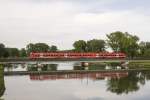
{"type": "Point", "coordinates": [139, 64]}
{"type": "Point", "coordinates": [2, 85]}
{"type": "Point", "coordinates": [133, 64]}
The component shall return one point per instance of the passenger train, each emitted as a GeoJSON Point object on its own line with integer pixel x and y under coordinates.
{"type": "Point", "coordinates": [75, 55]}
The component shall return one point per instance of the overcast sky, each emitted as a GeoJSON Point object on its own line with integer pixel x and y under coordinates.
{"type": "Point", "coordinates": [61, 22]}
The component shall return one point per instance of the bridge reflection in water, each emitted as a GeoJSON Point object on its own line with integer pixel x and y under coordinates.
{"type": "Point", "coordinates": [89, 75]}
{"type": "Point", "coordinates": [116, 82]}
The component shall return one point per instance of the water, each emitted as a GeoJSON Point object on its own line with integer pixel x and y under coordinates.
{"type": "Point", "coordinates": [133, 85]}
{"type": "Point", "coordinates": [43, 66]}
{"type": "Point", "coordinates": [46, 66]}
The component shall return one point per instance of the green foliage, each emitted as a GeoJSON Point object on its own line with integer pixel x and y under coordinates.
{"type": "Point", "coordinates": [12, 52]}
{"type": "Point", "coordinates": [95, 45]}
{"type": "Point", "coordinates": [144, 49]}
{"type": "Point", "coordinates": [30, 48]}
{"type": "Point", "coordinates": [2, 85]}
{"type": "Point", "coordinates": [37, 47]}
{"type": "Point", "coordinates": [139, 64]}
{"type": "Point", "coordinates": [123, 42]}
{"type": "Point", "coordinates": [80, 46]}
{"type": "Point", "coordinates": [23, 53]}
{"type": "Point", "coordinates": [117, 41]}
{"type": "Point", "coordinates": [53, 48]}
{"type": "Point", "coordinates": [40, 47]}
{"type": "Point", "coordinates": [2, 50]}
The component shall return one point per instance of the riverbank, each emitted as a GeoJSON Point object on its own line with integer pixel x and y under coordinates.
{"type": "Point", "coordinates": [2, 85]}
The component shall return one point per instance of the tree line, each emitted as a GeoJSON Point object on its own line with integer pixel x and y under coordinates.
{"type": "Point", "coordinates": [117, 41]}
{"type": "Point", "coordinates": [24, 52]}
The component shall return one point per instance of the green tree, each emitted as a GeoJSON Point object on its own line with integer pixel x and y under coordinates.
{"type": "Point", "coordinates": [53, 48]}
{"type": "Point", "coordinates": [80, 46]}
{"type": "Point", "coordinates": [12, 52]}
{"type": "Point", "coordinates": [2, 50]}
{"type": "Point", "coordinates": [115, 40]}
{"type": "Point", "coordinates": [95, 45]}
{"type": "Point", "coordinates": [37, 47]}
{"type": "Point", "coordinates": [30, 48]}
{"type": "Point", "coordinates": [41, 47]}
{"type": "Point", "coordinates": [23, 52]}
{"type": "Point", "coordinates": [123, 42]}
{"type": "Point", "coordinates": [133, 46]}
{"type": "Point", "coordinates": [2, 84]}
{"type": "Point", "coordinates": [144, 49]}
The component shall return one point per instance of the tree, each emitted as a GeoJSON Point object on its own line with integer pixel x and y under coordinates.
{"type": "Point", "coordinates": [144, 49]}
{"type": "Point", "coordinates": [115, 40]}
{"type": "Point", "coordinates": [53, 48]}
{"type": "Point", "coordinates": [95, 45]}
{"type": "Point", "coordinates": [13, 52]}
{"type": "Point", "coordinates": [41, 47]}
{"type": "Point", "coordinates": [23, 52]}
{"type": "Point", "coordinates": [133, 46]}
{"type": "Point", "coordinates": [123, 42]}
{"type": "Point", "coordinates": [2, 50]}
{"type": "Point", "coordinates": [30, 48]}
{"type": "Point", "coordinates": [80, 46]}
{"type": "Point", "coordinates": [37, 47]}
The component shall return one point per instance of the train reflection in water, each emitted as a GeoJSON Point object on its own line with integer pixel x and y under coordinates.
{"type": "Point", "coordinates": [89, 75]}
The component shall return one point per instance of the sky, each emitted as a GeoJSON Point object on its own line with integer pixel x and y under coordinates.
{"type": "Point", "coordinates": [61, 22]}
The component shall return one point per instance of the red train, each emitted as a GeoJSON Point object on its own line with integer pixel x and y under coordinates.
{"type": "Point", "coordinates": [77, 55]}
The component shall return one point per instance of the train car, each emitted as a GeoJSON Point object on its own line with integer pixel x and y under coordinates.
{"type": "Point", "coordinates": [75, 55]}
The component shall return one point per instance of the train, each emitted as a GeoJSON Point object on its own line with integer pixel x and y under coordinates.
{"type": "Point", "coordinates": [77, 55]}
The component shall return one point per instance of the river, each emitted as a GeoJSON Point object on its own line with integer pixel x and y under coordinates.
{"type": "Point", "coordinates": [132, 85]}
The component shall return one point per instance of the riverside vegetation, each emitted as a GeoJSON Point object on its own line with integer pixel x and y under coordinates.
{"type": "Point", "coordinates": [2, 85]}
{"type": "Point", "coordinates": [117, 41]}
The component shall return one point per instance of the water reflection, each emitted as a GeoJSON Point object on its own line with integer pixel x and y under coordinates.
{"type": "Point", "coordinates": [128, 84]}
{"type": "Point", "coordinates": [2, 85]}
{"type": "Point", "coordinates": [43, 67]}
{"type": "Point", "coordinates": [116, 82]}
{"type": "Point", "coordinates": [15, 67]}
{"type": "Point", "coordinates": [89, 75]}
{"type": "Point", "coordinates": [60, 66]}
{"type": "Point", "coordinates": [75, 86]}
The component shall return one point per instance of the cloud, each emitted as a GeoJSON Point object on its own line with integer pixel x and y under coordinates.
{"type": "Point", "coordinates": [62, 22]}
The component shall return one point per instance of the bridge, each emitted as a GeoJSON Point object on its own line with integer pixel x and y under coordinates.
{"type": "Point", "coordinates": [58, 60]}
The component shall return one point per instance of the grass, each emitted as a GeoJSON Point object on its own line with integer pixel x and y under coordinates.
{"type": "Point", "coordinates": [2, 85]}
{"type": "Point", "coordinates": [139, 64]}
{"type": "Point", "coordinates": [133, 64]}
